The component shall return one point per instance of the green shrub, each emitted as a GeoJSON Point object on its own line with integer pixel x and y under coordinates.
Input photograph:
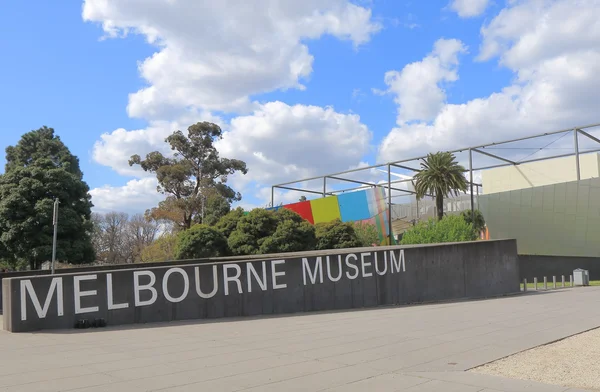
{"type": "Point", "coordinates": [451, 228]}
{"type": "Point", "coordinates": [227, 223]}
{"type": "Point", "coordinates": [161, 249]}
{"type": "Point", "coordinates": [290, 236]}
{"type": "Point", "coordinates": [478, 223]}
{"type": "Point", "coordinates": [367, 233]}
{"type": "Point", "coordinates": [200, 241]}
{"type": "Point", "coordinates": [251, 231]}
{"type": "Point", "coordinates": [336, 235]}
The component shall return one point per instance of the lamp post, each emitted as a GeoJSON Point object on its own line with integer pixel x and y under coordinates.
{"type": "Point", "coordinates": [55, 224]}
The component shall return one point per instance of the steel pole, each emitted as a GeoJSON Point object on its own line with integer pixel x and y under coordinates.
{"type": "Point", "coordinates": [55, 224]}
{"type": "Point", "coordinates": [391, 234]}
{"type": "Point", "coordinates": [471, 185]}
{"type": "Point", "coordinates": [324, 186]}
{"type": "Point", "coordinates": [272, 196]}
{"type": "Point", "coordinates": [576, 142]}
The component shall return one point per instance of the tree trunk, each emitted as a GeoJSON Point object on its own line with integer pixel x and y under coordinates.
{"type": "Point", "coordinates": [439, 205]}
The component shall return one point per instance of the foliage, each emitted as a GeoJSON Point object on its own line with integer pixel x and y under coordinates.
{"type": "Point", "coordinates": [39, 169]}
{"type": "Point", "coordinates": [451, 228]}
{"type": "Point", "coordinates": [251, 231]}
{"type": "Point", "coordinates": [302, 198]}
{"type": "Point", "coordinates": [119, 238]}
{"type": "Point", "coordinates": [440, 176]}
{"type": "Point", "coordinates": [266, 231]}
{"type": "Point", "coordinates": [200, 241]}
{"type": "Point", "coordinates": [367, 233]}
{"type": "Point", "coordinates": [162, 249]}
{"type": "Point", "coordinates": [194, 175]}
{"type": "Point", "coordinates": [216, 207]}
{"type": "Point", "coordinates": [478, 223]}
{"type": "Point", "coordinates": [336, 235]}
{"type": "Point", "coordinates": [227, 224]}
{"type": "Point", "coordinates": [293, 234]}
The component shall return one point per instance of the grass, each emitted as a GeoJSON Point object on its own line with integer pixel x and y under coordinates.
{"type": "Point", "coordinates": [531, 286]}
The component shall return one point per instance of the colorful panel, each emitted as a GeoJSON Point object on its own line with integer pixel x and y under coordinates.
{"type": "Point", "coordinates": [376, 200]}
{"type": "Point", "coordinates": [303, 209]}
{"type": "Point", "coordinates": [325, 209]}
{"type": "Point", "coordinates": [354, 206]}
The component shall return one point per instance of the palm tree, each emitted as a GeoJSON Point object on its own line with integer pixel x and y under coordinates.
{"type": "Point", "coordinates": [440, 176]}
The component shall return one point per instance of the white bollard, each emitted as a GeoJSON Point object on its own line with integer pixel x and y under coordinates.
{"type": "Point", "coordinates": [524, 284]}
{"type": "Point", "coordinates": [554, 281]}
{"type": "Point", "coordinates": [563, 281]}
{"type": "Point", "coordinates": [535, 283]}
{"type": "Point", "coordinates": [571, 280]}
{"type": "Point", "coordinates": [545, 283]}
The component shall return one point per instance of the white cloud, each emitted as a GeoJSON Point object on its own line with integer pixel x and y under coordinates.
{"type": "Point", "coordinates": [280, 142]}
{"type": "Point", "coordinates": [532, 32]}
{"type": "Point", "coordinates": [114, 149]}
{"type": "Point", "coordinates": [134, 197]}
{"type": "Point", "coordinates": [469, 8]}
{"type": "Point", "coordinates": [216, 55]}
{"type": "Point", "coordinates": [556, 84]}
{"type": "Point", "coordinates": [418, 86]}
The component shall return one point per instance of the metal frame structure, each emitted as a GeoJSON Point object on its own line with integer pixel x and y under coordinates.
{"type": "Point", "coordinates": [339, 176]}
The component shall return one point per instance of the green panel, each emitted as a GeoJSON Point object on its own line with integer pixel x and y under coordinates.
{"type": "Point", "coordinates": [548, 203]}
{"type": "Point", "coordinates": [571, 200]}
{"type": "Point", "coordinates": [560, 197]}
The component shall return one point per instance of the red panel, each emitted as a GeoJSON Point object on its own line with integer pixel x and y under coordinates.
{"type": "Point", "coordinates": [303, 209]}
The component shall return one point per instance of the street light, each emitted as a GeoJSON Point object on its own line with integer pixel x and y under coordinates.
{"type": "Point", "coordinates": [55, 224]}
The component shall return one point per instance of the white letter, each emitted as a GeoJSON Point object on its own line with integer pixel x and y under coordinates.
{"type": "Point", "coordinates": [137, 288]}
{"type": "Point", "coordinates": [339, 269]}
{"type": "Point", "coordinates": [236, 278]}
{"type": "Point", "coordinates": [365, 264]}
{"type": "Point", "coordinates": [397, 263]}
{"type": "Point", "coordinates": [318, 269]}
{"type": "Point", "coordinates": [353, 266]}
{"type": "Point", "coordinates": [384, 264]}
{"type": "Point", "coordinates": [251, 271]}
{"type": "Point", "coordinates": [109, 293]}
{"type": "Point", "coordinates": [78, 294]}
{"type": "Point", "coordinates": [165, 285]}
{"type": "Point", "coordinates": [27, 287]}
{"type": "Point", "coordinates": [275, 274]}
{"type": "Point", "coordinates": [215, 283]}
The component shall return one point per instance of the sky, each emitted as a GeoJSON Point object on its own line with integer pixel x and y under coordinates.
{"type": "Point", "coordinates": [300, 88]}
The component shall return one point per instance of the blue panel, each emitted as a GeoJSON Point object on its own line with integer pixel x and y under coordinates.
{"type": "Point", "coordinates": [354, 206]}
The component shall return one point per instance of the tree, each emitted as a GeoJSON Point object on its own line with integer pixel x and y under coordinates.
{"type": "Point", "coordinates": [478, 223]}
{"type": "Point", "coordinates": [440, 176]}
{"type": "Point", "coordinates": [336, 235]}
{"type": "Point", "coordinates": [110, 237]}
{"type": "Point", "coordinates": [192, 176]}
{"type": "Point", "coordinates": [162, 249]}
{"type": "Point", "coordinates": [228, 223]}
{"type": "Point", "coordinates": [39, 169]}
{"type": "Point", "coordinates": [367, 233]}
{"type": "Point", "coordinates": [120, 239]}
{"type": "Point", "coordinates": [200, 241]}
{"type": "Point", "coordinates": [293, 234]}
{"type": "Point", "coordinates": [267, 231]}
{"type": "Point", "coordinates": [251, 231]}
{"type": "Point", "coordinates": [451, 228]}
{"type": "Point", "coordinates": [302, 198]}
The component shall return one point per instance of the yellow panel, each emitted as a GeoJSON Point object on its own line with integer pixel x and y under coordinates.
{"type": "Point", "coordinates": [325, 209]}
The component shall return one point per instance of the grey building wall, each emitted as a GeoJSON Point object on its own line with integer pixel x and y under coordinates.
{"type": "Point", "coordinates": [369, 277]}
{"type": "Point", "coordinates": [538, 266]}
{"type": "Point", "coordinates": [554, 220]}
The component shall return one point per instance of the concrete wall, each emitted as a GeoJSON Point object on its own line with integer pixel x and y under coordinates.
{"type": "Point", "coordinates": [112, 267]}
{"type": "Point", "coordinates": [552, 220]}
{"type": "Point", "coordinates": [534, 266]}
{"type": "Point", "coordinates": [535, 174]}
{"type": "Point", "coordinates": [338, 279]}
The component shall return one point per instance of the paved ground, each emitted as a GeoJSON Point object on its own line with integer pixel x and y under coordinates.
{"type": "Point", "coordinates": [415, 349]}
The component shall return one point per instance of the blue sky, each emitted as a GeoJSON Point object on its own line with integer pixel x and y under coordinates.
{"type": "Point", "coordinates": [57, 71]}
